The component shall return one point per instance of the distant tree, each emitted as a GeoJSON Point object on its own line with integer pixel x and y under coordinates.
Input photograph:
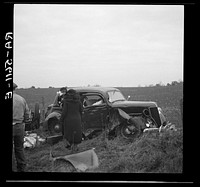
{"type": "Point", "coordinates": [96, 85]}
{"type": "Point", "coordinates": [174, 83]}
{"type": "Point", "coordinates": [160, 84]}
{"type": "Point", "coordinates": [33, 87]}
{"type": "Point", "coordinates": [151, 85]}
{"type": "Point", "coordinates": [180, 81]}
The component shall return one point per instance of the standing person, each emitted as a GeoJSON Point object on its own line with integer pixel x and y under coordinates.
{"type": "Point", "coordinates": [58, 101]}
{"type": "Point", "coordinates": [20, 115]}
{"type": "Point", "coordinates": [71, 119]}
{"type": "Point", "coordinates": [62, 93]}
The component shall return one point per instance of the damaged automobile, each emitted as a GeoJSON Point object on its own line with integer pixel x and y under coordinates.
{"type": "Point", "coordinates": [106, 109]}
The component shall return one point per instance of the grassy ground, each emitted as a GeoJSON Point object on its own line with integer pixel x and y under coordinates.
{"type": "Point", "coordinates": [151, 153]}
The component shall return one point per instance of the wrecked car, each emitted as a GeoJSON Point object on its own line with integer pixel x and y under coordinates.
{"type": "Point", "coordinates": [106, 108]}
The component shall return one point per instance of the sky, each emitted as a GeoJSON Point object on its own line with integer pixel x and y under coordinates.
{"type": "Point", "coordinates": [109, 45]}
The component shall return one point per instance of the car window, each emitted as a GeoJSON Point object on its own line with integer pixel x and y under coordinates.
{"type": "Point", "coordinates": [115, 96]}
{"type": "Point", "coordinates": [92, 100]}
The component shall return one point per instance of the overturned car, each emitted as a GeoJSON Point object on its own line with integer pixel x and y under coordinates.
{"type": "Point", "coordinates": [106, 108]}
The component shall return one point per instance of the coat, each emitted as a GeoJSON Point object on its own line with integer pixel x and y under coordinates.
{"type": "Point", "coordinates": [71, 118]}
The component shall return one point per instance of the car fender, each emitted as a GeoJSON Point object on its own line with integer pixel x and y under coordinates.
{"type": "Point", "coordinates": [53, 115]}
{"type": "Point", "coordinates": [50, 116]}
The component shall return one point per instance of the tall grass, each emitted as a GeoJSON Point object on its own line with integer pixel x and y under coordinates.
{"type": "Point", "coordinates": [151, 153]}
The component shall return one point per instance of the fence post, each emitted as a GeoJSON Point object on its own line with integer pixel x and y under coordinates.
{"type": "Point", "coordinates": [43, 109]}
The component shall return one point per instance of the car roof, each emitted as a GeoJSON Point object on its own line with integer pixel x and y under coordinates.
{"type": "Point", "coordinates": [94, 89]}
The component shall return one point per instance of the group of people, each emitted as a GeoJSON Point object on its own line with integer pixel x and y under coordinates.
{"type": "Point", "coordinates": [71, 119]}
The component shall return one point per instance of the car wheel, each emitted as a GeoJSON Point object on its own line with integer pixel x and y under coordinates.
{"type": "Point", "coordinates": [54, 126]}
{"type": "Point", "coordinates": [130, 129]}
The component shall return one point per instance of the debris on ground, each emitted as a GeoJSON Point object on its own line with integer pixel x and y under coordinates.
{"type": "Point", "coordinates": [168, 127]}
{"type": "Point", "coordinates": [82, 161]}
{"type": "Point", "coordinates": [32, 140]}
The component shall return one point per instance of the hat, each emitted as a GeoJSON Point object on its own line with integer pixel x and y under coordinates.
{"type": "Point", "coordinates": [14, 85]}
{"type": "Point", "coordinates": [63, 89]}
{"type": "Point", "coordinates": [72, 91]}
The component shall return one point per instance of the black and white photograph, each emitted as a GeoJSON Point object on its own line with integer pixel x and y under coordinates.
{"type": "Point", "coordinates": [97, 88]}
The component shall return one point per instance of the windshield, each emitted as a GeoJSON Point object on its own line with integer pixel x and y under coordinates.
{"type": "Point", "coordinates": [115, 96]}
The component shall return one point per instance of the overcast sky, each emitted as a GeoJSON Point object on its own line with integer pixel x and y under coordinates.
{"type": "Point", "coordinates": [108, 45]}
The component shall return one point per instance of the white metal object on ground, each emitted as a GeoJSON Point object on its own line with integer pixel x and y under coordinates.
{"type": "Point", "coordinates": [81, 161]}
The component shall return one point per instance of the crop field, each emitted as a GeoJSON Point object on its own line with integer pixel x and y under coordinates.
{"type": "Point", "coordinates": [165, 96]}
{"type": "Point", "coordinates": [151, 153]}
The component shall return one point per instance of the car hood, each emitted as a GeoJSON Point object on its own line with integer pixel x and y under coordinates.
{"type": "Point", "coordinates": [134, 104]}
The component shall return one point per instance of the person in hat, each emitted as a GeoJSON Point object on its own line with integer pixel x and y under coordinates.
{"type": "Point", "coordinates": [62, 93]}
{"type": "Point", "coordinates": [58, 101]}
{"type": "Point", "coordinates": [20, 115]}
{"type": "Point", "coordinates": [71, 119]}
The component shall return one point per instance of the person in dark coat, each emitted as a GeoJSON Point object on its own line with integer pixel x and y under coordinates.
{"type": "Point", "coordinates": [71, 119]}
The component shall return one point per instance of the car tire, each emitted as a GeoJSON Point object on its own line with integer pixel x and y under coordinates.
{"type": "Point", "coordinates": [54, 126]}
{"type": "Point", "coordinates": [130, 129]}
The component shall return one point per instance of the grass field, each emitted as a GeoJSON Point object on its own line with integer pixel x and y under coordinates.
{"type": "Point", "coordinates": [165, 96]}
{"type": "Point", "coordinates": [151, 153]}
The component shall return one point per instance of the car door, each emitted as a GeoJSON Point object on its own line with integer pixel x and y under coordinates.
{"type": "Point", "coordinates": [94, 111]}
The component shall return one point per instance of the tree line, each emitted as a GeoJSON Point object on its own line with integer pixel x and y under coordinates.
{"type": "Point", "coordinates": [173, 83]}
